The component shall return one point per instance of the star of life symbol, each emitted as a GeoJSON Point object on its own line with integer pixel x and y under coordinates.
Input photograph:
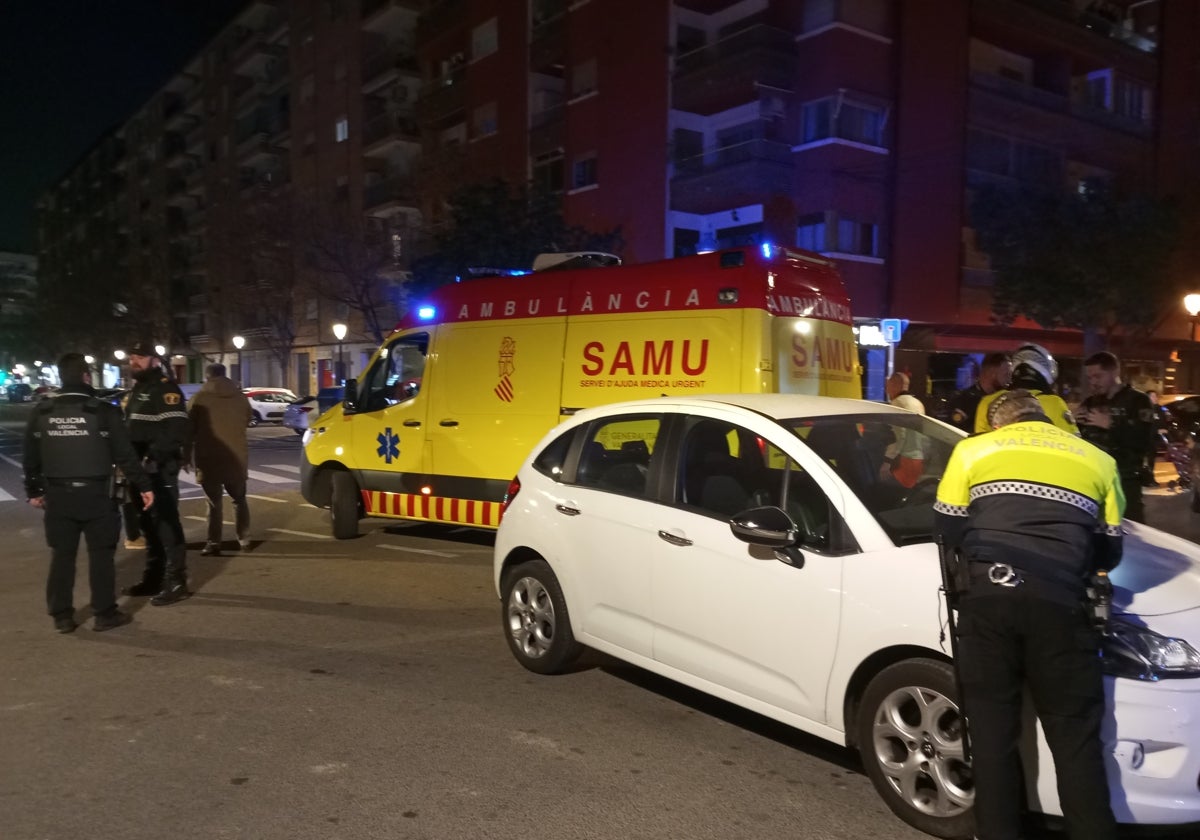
{"type": "Point", "coordinates": [389, 445]}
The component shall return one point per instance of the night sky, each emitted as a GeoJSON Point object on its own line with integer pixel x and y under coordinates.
{"type": "Point", "coordinates": [72, 69]}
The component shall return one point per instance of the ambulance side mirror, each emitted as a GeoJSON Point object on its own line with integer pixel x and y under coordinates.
{"type": "Point", "coordinates": [350, 397]}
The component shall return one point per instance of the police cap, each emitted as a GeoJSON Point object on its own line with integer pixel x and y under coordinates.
{"type": "Point", "coordinates": [141, 347]}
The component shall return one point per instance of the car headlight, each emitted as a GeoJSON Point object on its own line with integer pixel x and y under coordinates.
{"type": "Point", "coordinates": [1139, 654]}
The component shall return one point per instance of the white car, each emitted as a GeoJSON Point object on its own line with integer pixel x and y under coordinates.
{"type": "Point", "coordinates": [268, 404]}
{"type": "Point", "coordinates": [626, 530]}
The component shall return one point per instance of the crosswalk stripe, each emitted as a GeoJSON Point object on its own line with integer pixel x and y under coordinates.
{"type": "Point", "coordinates": [289, 468]}
{"type": "Point", "coordinates": [268, 478]}
{"type": "Point", "coordinates": [267, 499]}
{"type": "Point", "coordinates": [301, 534]}
{"type": "Point", "coordinates": [412, 550]}
{"type": "Point", "coordinates": [6, 497]}
{"type": "Point", "coordinates": [16, 464]}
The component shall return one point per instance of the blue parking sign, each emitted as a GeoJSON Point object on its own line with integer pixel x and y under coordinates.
{"type": "Point", "coordinates": [892, 329]}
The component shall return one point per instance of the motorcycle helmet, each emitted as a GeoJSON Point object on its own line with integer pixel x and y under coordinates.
{"type": "Point", "coordinates": [1034, 360]}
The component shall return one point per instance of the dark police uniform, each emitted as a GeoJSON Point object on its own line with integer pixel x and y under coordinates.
{"type": "Point", "coordinates": [71, 444]}
{"type": "Point", "coordinates": [1033, 510]}
{"type": "Point", "coordinates": [159, 428]}
{"type": "Point", "coordinates": [1128, 439]}
{"type": "Point", "coordinates": [963, 406]}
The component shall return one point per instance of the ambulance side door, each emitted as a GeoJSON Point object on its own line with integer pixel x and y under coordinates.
{"type": "Point", "coordinates": [390, 418]}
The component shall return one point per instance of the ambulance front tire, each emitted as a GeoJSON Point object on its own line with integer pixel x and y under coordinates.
{"type": "Point", "coordinates": [343, 506]}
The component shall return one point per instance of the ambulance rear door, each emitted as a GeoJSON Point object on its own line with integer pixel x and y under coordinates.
{"type": "Point", "coordinates": [498, 393]}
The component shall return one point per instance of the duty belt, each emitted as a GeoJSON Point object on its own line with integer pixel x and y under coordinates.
{"type": "Point", "coordinates": [75, 482]}
{"type": "Point", "coordinates": [1000, 577]}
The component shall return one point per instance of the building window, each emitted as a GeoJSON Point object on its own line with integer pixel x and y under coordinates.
{"type": "Point", "coordinates": [810, 232]}
{"type": "Point", "coordinates": [310, 309]}
{"type": "Point", "coordinates": [548, 172]}
{"type": "Point", "coordinates": [342, 190]}
{"type": "Point", "coordinates": [483, 120]}
{"type": "Point", "coordinates": [341, 130]}
{"type": "Point", "coordinates": [484, 39]}
{"type": "Point", "coordinates": [1007, 157]}
{"type": "Point", "coordinates": [583, 79]}
{"type": "Point", "coordinates": [830, 232]}
{"type": "Point", "coordinates": [1110, 91]}
{"type": "Point", "coordinates": [844, 118]}
{"type": "Point", "coordinates": [583, 172]}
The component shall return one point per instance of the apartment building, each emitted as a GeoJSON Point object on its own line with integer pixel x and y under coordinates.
{"type": "Point", "coordinates": [857, 128]}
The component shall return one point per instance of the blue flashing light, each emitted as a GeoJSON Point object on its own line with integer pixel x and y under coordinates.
{"type": "Point", "coordinates": [768, 250]}
{"type": "Point", "coordinates": [426, 313]}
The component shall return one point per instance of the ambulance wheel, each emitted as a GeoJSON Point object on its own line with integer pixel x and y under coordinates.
{"type": "Point", "coordinates": [910, 739]}
{"type": "Point", "coordinates": [343, 506]}
{"type": "Point", "coordinates": [536, 624]}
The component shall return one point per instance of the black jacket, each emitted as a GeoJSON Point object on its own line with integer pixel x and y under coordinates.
{"type": "Point", "coordinates": [156, 413]}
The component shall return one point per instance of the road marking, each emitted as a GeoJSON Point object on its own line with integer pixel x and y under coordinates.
{"type": "Point", "coordinates": [418, 550]}
{"type": "Point", "coordinates": [204, 519]}
{"type": "Point", "coordinates": [267, 498]}
{"type": "Point", "coordinates": [268, 478]}
{"type": "Point", "coordinates": [6, 497]}
{"type": "Point", "coordinates": [306, 504]}
{"type": "Point", "coordinates": [289, 468]}
{"type": "Point", "coordinates": [301, 533]}
{"type": "Point", "coordinates": [16, 464]}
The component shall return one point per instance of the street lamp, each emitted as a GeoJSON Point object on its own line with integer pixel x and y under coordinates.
{"type": "Point", "coordinates": [239, 343]}
{"type": "Point", "coordinates": [119, 355]}
{"type": "Point", "coordinates": [1192, 304]}
{"type": "Point", "coordinates": [339, 332]}
{"type": "Point", "coordinates": [160, 350]}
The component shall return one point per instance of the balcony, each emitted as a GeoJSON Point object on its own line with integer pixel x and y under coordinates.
{"type": "Point", "coordinates": [442, 15]}
{"type": "Point", "coordinates": [1080, 30]}
{"type": "Point", "coordinates": [547, 130]}
{"type": "Point", "coordinates": [387, 15]}
{"type": "Point", "coordinates": [731, 175]}
{"type": "Point", "coordinates": [443, 100]}
{"type": "Point", "coordinates": [385, 66]}
{"type": "Point", "coordinates": [390, 195]}
{"type": "Point", "coordinates": [547, 44]}
{"type": "Point", "coordinates": [384, 132]}
{"type": "Point", "coordinates": [731, 71]}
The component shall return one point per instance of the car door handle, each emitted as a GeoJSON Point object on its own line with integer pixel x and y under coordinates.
{"type": "Point", "coordinates": [673, 538]}
{"type": "Point", "coordinates": [448, 423]}
{"type": "Point", "coordinates": [413, 423]}
{"type": "Point", "coordinates": [567, 509]}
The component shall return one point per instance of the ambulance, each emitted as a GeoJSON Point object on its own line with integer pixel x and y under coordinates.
{"type": "Point", "coordinates": [472, 378]}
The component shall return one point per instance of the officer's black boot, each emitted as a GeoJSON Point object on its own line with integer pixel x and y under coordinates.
{"type": "Point", "coordinates": [150, 584]}
{"type": "Point", "coordinates": [174, 588]}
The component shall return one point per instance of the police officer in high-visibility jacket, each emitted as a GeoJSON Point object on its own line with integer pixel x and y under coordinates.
{"type": "Point", "coordinates": [160, 429]}
{"type": "Point", "coordinates": [1034, 370]}
{"type": "Point", "coordinates": [1032, 512]}
{"type": "Point", "coordinates": [71, 444]}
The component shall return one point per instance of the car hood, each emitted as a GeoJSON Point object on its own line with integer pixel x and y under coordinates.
{"type": "Point", "coordinates": [1159, 573]}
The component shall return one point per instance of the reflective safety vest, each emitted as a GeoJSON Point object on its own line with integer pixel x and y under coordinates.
{"type": "Point", "coordinates": [74, 442]}
{"type": "Point", "coordinates": [1056, 409]}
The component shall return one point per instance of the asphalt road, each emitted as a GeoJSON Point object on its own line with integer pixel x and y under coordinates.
{"type": "Point", "coordinates": [362, 689]}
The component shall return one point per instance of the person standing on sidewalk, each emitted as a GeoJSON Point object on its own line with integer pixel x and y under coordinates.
{"type": "Point", "coordinates": [72, 443]}
{"type": "Point", "coordinates": [220, 414]}
{"type": "Point", "coordinates": [159, 428]}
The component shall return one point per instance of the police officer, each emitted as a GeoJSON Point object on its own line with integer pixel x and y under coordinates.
{"type": "Point", "coordinates": [995, 373]}
{"type": "Point", "coordinates": [1032, 511]}
{"type": "Point", "coordinates": [1033, 370]}
{"type": "Point", "coordinates": [1120, 420]}
{"type": "Point", "coordinates": [160, 430]}
{"type": "Point", "coordinates": [71, 444]}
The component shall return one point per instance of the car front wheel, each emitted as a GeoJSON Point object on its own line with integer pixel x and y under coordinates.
{"type": "Point", "coordinates": [536, 623]}
{"type": "Point", "coordinates": [910, 737]}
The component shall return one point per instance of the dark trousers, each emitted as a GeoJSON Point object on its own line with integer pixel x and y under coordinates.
{"type": "Point", "coordinates": [1010, 639]}
{"type": "Point", "coordinates": [214, 491]}
{"type": "Point", "coordinates": [70, 511]}
{"type": "Point", "coordinates": [1134, 507]}
{"type": "Point", "coordinates": [166, 550]}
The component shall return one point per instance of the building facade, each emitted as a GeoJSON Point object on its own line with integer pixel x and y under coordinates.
{"type": "Point", "coordinates": [857, 128]}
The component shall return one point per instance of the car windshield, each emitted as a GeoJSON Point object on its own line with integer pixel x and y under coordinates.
{"type": "Point", "coordinates": [892, 462]}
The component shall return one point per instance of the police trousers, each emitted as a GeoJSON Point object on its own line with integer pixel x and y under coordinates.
{"type": "Point", "coordinates": [74, 508]}
{"type": "Point", "coordinates": [1135, 507]}
{"type": "Point", "coordinates": [166, 549]}
{"type": "Point", "coordinates": [1010, 639]}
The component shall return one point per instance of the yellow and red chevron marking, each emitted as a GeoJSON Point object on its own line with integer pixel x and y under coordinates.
{"type": "Point", "coordinates": [504, 390]}
{"type": "Point", "coordinates": [432, 508]}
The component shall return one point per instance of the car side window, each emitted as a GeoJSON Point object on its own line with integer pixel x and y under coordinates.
{"type": "Point", "coordinates": [396, 374]}
{"type": "Point", "coordinates": [551, 460]}
{"type": "Point", "coordinates": [616, 454]}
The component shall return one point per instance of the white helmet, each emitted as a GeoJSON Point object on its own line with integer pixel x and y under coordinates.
{"type": "Point", "coordinates": [1035, 359]}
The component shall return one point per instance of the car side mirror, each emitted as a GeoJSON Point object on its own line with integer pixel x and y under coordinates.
{"type": "Point", "coordinates": [350, 397]}
{"type": "Point", "coordinates": [769, 527]}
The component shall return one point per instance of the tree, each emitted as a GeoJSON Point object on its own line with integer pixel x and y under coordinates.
{"type": "Point", "coordinates": [496, 225]}
{"type": "Point", "coordinates": [1090, 261]}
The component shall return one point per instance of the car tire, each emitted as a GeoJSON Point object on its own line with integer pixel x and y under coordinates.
{"type": "Point", "coordinates": [255, 419]}
{"type": "Point", "coordinates": [910, 740]}
{"type": "Point", "coordinates": [298, 431]}
{"type": "Point", "coordinates": [536, 623]}
{"type": "Point", "coordinates": [344, 502]}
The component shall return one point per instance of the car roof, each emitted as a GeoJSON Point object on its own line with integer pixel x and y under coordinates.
{"type": "Point", "coordinates": [775, 406]}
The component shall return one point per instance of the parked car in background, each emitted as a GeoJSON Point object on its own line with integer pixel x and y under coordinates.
{"type": "Point", "coordinates": [268, 404]}
{"type": "Point", "coordinates": [297, 415]}
{"type": "Point", "coordinates": [112, 395]}
{"type": "Point", "coordinates": [750, 547]}
{"type": "Point", "coordinates": [20, 392]}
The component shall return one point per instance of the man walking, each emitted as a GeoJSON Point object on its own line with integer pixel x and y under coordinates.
{"type": "Point", "coordinates": [1120, 420]}
{"type": "Point", "coordinates": [1033, 512]}
{"type": "Point", "coordinates": [159, 428]}
{"type": "Point", "coordinates": [220, 414]}
{"type": "Point", "coordinates": [72, 442]}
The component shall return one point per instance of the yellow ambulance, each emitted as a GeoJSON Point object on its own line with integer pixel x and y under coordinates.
{"type": "Point", "coordinates": [470, 380]}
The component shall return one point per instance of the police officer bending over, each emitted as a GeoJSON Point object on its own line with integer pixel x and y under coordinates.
{"type": "Point", "coordinates": [1033, 512]}
{"type": "Point", "coordinates": [71, 444]}
{"type": "Point", "coordinates": [160, 431]}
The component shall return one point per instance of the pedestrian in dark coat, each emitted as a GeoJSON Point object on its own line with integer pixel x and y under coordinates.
{"type": "Point", "coordinates": [220, 413]}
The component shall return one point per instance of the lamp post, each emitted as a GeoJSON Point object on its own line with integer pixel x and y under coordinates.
{"type": "Point", "coordinates": [339, 332]}
{"type": "Point", "coordinates": [239, 343]}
